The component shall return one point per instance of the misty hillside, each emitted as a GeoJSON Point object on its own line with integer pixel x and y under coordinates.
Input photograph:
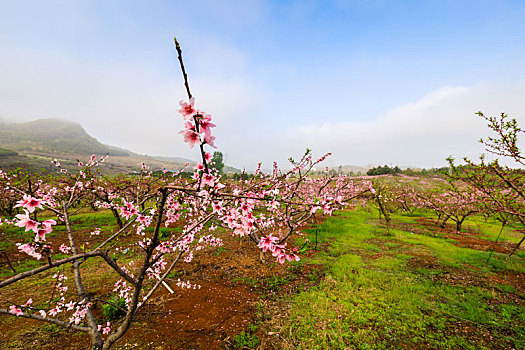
{"type": "Point", "coordinates": [33, 145]}
{"type": "Point", "coordinates": [4, 152]}
{"type": "Point", "coordinates": [53, 136]}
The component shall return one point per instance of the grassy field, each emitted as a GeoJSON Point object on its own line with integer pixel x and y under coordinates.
{"type": "Point", "coordinates": [419, 287]}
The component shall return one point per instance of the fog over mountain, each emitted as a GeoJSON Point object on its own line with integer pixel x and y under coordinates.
{"type": "Point", "coordinates": [35, 143]}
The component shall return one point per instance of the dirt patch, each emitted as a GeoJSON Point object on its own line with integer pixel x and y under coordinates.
{"type": "Point", "coordinates": [424, 261]}
{"type": "Point", "coordinates": [472, 242]}
{"type": "Point", "coordinates": [467, 238]}
{"type": "Point", "coordinates": [197, 319]}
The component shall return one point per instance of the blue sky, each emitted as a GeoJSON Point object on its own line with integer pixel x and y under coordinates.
{"type": "Point", "coordinates": [373, 82]}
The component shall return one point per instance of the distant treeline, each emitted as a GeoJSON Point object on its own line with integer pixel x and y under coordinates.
{"type": "Point", "coordinates": [386, 170]}
{"type": "Point", "coordinates": [379, 170]}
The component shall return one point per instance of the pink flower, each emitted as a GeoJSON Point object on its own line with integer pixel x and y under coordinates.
{"type": "Point", "coordinates": [208, 179]}
{"type": "Point", "coordinates": [106, 329]}
{"type": "Point", "coordinates": [314, 209]}
{"type": "Point", "coordinates": [145, 220]}
{"type": "Point", "coordinates": [128, 210]}
{"type": "Point", "coordinates": [70, 306]}
{"type": "Point", "coordinates": [217, 207]}
{"type": "Point", "coordinates": [27, 222]}
{"type": "Point", "coordinates": [13, 309]}
{"type": "Point", "coordinates": [207, 156]}
{"type": "Point", "coordinates": [293, 257]}
{"type": "Point", "coordinates": [29, 249]}
{"type": "Point", "coordinates": [54, 311]}
{"type": "Point", "coordinates": [41, 235]}
{"type": "Point", "coordinates": [189, 257]}
{"type": "Point", "coordinates": [29, 203]}
{"type": "Point", "coordinates": [209, 139]}
{"type": "Point", "coordinates": [47, 224]}
{"type": "Point", "coordinates": [64, 249]}
{"type": "Point", "coordinates": [206, 125]}
{"type": "Point", "coordinates": [267, 243]}
{"type": "Point", "coordinates": [187, 109]}
{"type": "Point", "coordinates": [191, 137]}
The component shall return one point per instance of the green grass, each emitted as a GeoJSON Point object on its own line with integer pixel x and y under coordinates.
{"type": "Point", "coordinates": [245, 340]}
{"type": "Point", "coordinates": [375, 297]}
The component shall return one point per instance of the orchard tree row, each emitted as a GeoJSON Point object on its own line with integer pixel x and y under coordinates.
{"type": "Point", "coordinates": [488, 189]}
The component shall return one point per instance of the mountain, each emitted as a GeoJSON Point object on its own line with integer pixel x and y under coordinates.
{"type": "Point", "coordinates": [4, 152]}
{"type": "Point", "coordinates": [181, 160]}
{"type": "Point", "coordinates": [53, 136]}
{"type": "Point", "coordinates": [35, 144]}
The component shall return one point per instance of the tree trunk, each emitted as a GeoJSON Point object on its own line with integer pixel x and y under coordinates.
{"type": "Point", "coordinates": [458, 224]}
{"type": "Point", "coordinates": [442, 224]}
{"type": "Point", "coordinates": [117, 218]}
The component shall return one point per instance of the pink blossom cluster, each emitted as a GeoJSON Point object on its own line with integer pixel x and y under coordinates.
{"type": "Point", "coordinates": [128, 210]}
{"type": "Point", "coordinates": [15, 310]}
{"type": "Point", "coordinates": [29, 203]}
{"type": "Point", "coordinates": [105, 330]}
{"type": "Point", "coordinates": [124, 290]}
{"type": "Point", "coordinates": [26, 222]}
{"type": "Point", "coordinates": [156, 269]}
{"type": "Point", "coordinates": [197, 123]}
{"type": "Point", "coordinates": [80, 308]}
{"type": "Point", "coordinates": [270, 243]}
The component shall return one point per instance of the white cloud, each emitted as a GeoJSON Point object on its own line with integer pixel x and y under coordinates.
{"type": "Point", "coordinates": [421, 133]}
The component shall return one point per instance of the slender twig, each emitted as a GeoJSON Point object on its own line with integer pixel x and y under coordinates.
{"type": "Point", "coordinates": [33, 272]}
{"type": "Point", "coordinates": [49, 320]}
{"type": "Point", "coordinates": [8, 262]}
